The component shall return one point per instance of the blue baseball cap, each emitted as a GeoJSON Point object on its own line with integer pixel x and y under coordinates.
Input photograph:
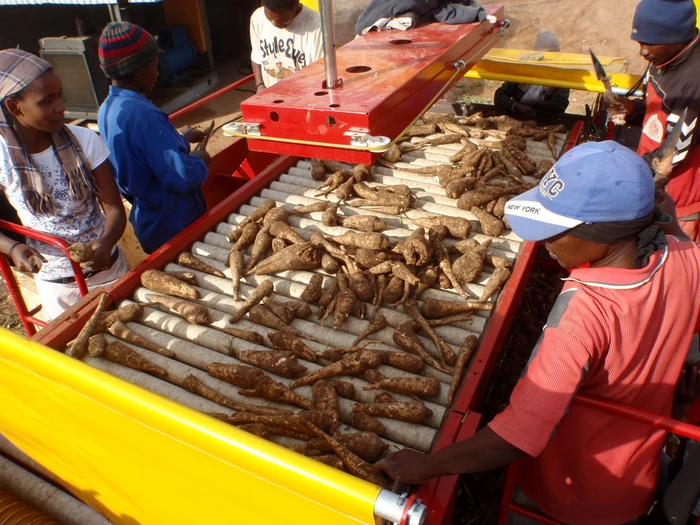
{"type": "Point", "coordinates": [594, 182]}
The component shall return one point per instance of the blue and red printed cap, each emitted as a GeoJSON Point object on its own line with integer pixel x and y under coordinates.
{"type": "Point", "coordinates": [594, 182]}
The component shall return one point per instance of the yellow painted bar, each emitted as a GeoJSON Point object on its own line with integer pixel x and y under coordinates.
{"type": "Point", "coordinates": [142, 459]}
{"type": "Point", "coordinates": [562, 70]}
{"type": "Point", "coordinates": [313, 4]}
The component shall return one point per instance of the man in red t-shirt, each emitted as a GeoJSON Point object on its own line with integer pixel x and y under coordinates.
{"type": "Point", "coordinates": [668, 40]}
{"type": "Point", "coordinates": [615, 332]}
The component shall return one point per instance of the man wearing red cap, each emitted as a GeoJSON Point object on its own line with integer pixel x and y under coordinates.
{"type": "Point", "coordinates": [668, 40]}
{"type": "Point", "coordinates": [153, 164]}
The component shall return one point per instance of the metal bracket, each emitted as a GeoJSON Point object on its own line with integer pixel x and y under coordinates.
{"type": "Point", "coordinates": [363, 140]}
{"type": "Point", "coordinates": [246, 128]}
{"type": "Point", "coordinates": [502, 26]}
{"type": "Point", "coordinates": [392, 508]}
{"type": "Point", "coordinates": [417, 513]}
{"type": "Point", "coordinates": [337, 84]}
{"type": "Point", "coordinates": [459, 65]}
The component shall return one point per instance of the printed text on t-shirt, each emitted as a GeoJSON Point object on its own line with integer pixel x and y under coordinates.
{"type": "Point", "coordinates": [278, 46]}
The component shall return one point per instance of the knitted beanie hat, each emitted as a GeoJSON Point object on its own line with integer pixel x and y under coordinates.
{"type": "Point", "coordinates": [664, 22]}
{"type": "Point", "coordinates": [125, 48]}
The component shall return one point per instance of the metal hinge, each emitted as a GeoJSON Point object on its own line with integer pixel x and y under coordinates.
{"type": "Point", "coordinates": [245, 128]}
{"type": "Point", "coordinates": [363, 140]}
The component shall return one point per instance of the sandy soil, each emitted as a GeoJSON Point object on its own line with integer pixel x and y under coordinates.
{"type": "Point", "coordinates": [600, 25]}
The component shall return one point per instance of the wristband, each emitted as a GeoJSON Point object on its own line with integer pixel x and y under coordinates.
{"type": "Point", "coordinates": [259, 84]}
{"type": "Point", "coordinates": [9, 253]}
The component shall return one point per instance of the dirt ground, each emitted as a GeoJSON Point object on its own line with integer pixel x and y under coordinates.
{"type": "Point", "coordinates": [600, 25]}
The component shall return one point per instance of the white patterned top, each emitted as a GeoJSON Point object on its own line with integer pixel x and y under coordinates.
{"type": "Point", "coordinates": [74, 220]}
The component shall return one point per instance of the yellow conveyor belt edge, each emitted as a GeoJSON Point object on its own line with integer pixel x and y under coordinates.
{"type": "Point", "coordinates": [140, 458]}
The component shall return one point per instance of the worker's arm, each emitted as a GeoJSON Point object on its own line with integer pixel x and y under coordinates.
{"type": "Point", "coordinates": [556, 103]}
{"type": "Point", "coordinates": [257, 71]}
{"type": "Point", "coordinates": [255, 54]}
{"type": "Point", "coordinates": [538, 403]}
{"type": "Point", "coordinates": [168, 155]}
{"type": "Point", "coordinates": [504, 99]}
{"type": "Point", "coordinates": [115, 217]}
{"type": "Point", "coordinates": [486, 450]}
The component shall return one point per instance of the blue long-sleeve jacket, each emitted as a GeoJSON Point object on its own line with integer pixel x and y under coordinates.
{"type": "Point", "coordinates": [153, 167]}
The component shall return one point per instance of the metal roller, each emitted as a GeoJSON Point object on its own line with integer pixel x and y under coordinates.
{"type": "Point", "coordinates": [44, 497]}
{"type": "Point", "coordinates": [14, 511]}
{"type": "Point", "coordinates": [204, 347]}
{"type": "Point", "coordinates": [196, 347]}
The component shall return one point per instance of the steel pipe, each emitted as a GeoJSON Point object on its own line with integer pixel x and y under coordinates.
{"type": "Point", "coordinates": [400, 508]}
{"type": "Point", "coordinates": [325, 8]}
{"type": "Point", "coordinates": [46, 498]}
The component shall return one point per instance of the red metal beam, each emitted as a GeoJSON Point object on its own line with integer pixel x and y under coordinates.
{"type": "Point", "coordinates": [611, 407]}
{"type": "Point", "coordinates": [445, 436]}
{"type": "Point", "coordinates": [29, 322]}
{"type": "Point", "coordinates": [55, 241]}
{"type": "Point", "coordinates": [388, 80]}
{"type": "Point", "coordinates": [640, 416]}
{"type": "Point", "coordinates": [205, 100]}
{"type": "Point", "coordinates": [442, 503]}
{"type": "Point", "coordinates": [477, 375]}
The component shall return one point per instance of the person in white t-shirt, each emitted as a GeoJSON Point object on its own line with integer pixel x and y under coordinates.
{"type": "Point", "coordinates": [285, 36]}
{"type": "Point", "coordinates": [58, 180]}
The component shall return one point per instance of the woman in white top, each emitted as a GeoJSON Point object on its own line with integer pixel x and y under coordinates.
{"type": "Point", "coordinates": [58, 180]}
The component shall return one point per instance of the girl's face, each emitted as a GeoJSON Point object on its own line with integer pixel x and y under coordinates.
{"type": "Point", "coordinates": [40, 105]}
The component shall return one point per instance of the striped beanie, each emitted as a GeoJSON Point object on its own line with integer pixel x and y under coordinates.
{"type": "Point", "coordinates": [125, 48]}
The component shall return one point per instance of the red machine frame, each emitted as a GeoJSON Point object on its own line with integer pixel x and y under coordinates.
{"type": "Point", "coordinates": [634, 414]}
{"type": "Point", "coordinates": [246, 181]}
{"type": "Point", "coordinates": [27, 316]}
{"type": "Point", "coordinates": [388, 80]}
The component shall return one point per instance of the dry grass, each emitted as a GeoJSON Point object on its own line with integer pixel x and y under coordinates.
{"type": "Point", "coordinates": [9, 318]}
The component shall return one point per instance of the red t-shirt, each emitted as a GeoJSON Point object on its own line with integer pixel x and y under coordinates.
{"type": "Point", "coordinates": [617, 334]}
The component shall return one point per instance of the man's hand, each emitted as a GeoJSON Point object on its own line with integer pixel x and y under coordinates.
{"type": "Point", "coordinates": [26, 258]}
{"type": "Point", "coordinates": [525, 111]}
{"type": "Point", "coordinates": [202, 154]}
{"type": "Point", "coordinates": [662, 167]}
{"type": "Point", "coordinates": [194, 135]}
{"type": "Point", "coordinates": [101, 255]}
{"type": "Point", "coordinates": [619, 111]}
{"type": "Point", "coordinates": [259, 88]}
{"type": "Point", "coordinates": [408, 466]}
